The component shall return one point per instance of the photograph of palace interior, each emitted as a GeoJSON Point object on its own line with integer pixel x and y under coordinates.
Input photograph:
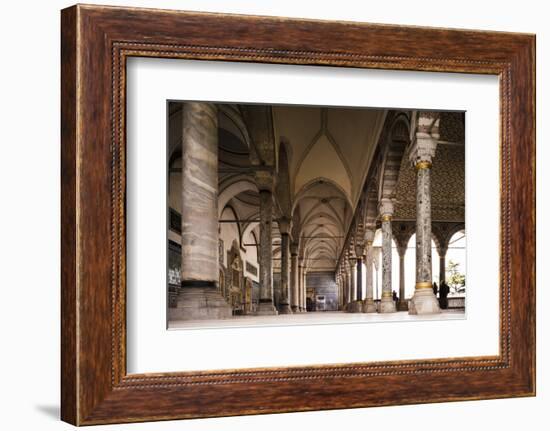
{"type": "Point", "coordinates": [300, 214]}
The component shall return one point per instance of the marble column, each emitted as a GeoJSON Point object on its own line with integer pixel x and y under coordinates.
{"type": "Point", "coordinates": [345, 287]}
{"type": "Point", "coordinates": [349, 284]}
{"type": "Point", "coordinates": [387, 304]}
{"type": "Point", "coordinates": [341, 292]}
{"type": "Point", "coordinates": [402, 303]}
{"type": "Point", "coordinates": [301, 286]}
{"type": "Point", "coordinates": [359, 249]}
{"type": "Point", "coordinates": [353, 273]}
{"type": "Point", "coordinates": [304, 291]}
{"type": "Point", "coordinates": [368, 305]}
{"type": "Point", "coordinates": [442, 265]}
{"type": "Point", "coordinates": [359, 252]}
{"type": "Point", "coordinates": [284, 228]}
{"type": "Point", "coordinates": [422, 152]}
{"type": "Point", "coordinates": [266, 305]}
{"type": "Point", "coordinates": [338, 289]}
{"type": "Point", "coordinates": [199, 217]}
{"type": "Point", "coordinates": [294, 282]}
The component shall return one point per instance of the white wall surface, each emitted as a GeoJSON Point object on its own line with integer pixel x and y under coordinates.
{"type": "Point", "coordinates": [29, 216]}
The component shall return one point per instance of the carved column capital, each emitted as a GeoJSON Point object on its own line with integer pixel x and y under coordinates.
{"type": "Point", "coordinates": [265, 180]}
{"type": "Point", "coordinates": [285, 225]}
{"type": "Point", "coordinates": [359, 249]}
{"type": "Point", "coordinates": [425, 140]}
{"type": "Point", "coordinates": [369, 235]}
{"type": "Point", "coordinates": [386, 209]}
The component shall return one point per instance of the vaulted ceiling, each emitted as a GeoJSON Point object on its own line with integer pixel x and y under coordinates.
{"type": "Point", "coordinates": [321, 156]}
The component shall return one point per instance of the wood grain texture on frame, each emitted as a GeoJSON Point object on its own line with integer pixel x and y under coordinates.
{"type": "Point", "coordinates": [95, 42]}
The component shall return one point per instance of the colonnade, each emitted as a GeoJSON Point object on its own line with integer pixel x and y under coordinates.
{"type": "Point", "coordinates": [421, 153]}
{"type": "Point", "coordinates": [200, 229]}
{"type": "Point", "coordinates": [199, 224]}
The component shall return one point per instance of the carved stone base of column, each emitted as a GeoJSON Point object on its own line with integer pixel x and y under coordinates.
{"type": "Point", "coordinates": [402, 305]}
{"type": "Point", "coordinates": [266, 309]}
{"type": "Point", "coordinates": [285, 309]}
{"type": "Point", "coordinates": [424, 302]}
{"type": "Point", "coordinates": [387, 305]}
{"type": "Point", "coordinates": [303, 310]}
{"type": "Point", "coordinates": [356, 307]}
{"type": "Point", "coordinates": [199, 303]}
{"type": "Point", "coordinates": [295, 309]}
{"type": "Point", "coordinates": [369, 306]}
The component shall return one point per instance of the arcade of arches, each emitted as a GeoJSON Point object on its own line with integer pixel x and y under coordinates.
{"type": "Point", "coordinates": [294, 209]}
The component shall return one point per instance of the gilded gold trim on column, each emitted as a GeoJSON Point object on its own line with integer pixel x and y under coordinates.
{"type": "Point", "coordinates": [423, 164]}
{"type": "Point", "coordinates": [386, 217]}
{"type": "Point", "coordinates": [423, 285]}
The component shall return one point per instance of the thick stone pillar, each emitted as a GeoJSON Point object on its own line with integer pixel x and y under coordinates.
{"type": "Point", "coordinates": [402, 303]}
{"type": "Point", "coordinates": [266, 306]}
{"type": "Point", "coordinates": [199, 181]}
{"type": "Point", "coordinates": [368, 305]}
{"type": "Point", "coordinates": [427, 134]}
{"type": "Point", "coordinates": [294, 282]}
{"type": "Point", "coordinates": [199, 297]}
{"type": "Point", "coordinates": [284, 228]}
{"type": "Point", "coordinates": [387, 304]}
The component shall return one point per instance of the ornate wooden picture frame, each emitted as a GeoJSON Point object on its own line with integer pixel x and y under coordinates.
{"type": "Point", "coordinates": [96, 41]}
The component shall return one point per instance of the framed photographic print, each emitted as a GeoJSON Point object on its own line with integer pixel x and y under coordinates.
{"type": "Point", "coordinates": [268, 215]}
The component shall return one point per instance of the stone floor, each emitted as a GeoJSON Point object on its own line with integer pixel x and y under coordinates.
{"type": "Point", "coordinates": [315, 318]}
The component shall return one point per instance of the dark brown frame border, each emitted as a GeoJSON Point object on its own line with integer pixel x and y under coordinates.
{"type": "Point", "coordinates": [95, 43]}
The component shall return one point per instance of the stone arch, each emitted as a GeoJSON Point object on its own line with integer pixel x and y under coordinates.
{"type": "Point", "coordinates": [235, 217]}
{"type": "Point", "coordinates": [444, 232]}
{"type": "Point", "coordinates": [395, 144]}
{"type": "Point", "coordinates": [231, 187]}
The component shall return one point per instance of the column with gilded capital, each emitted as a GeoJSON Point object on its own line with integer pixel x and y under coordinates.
{"type": "Point", "coordinates": [421, 155]}
{"type": "Point", "coordinates": [264, 181]}
{"type": "Point", "coordinates": [387, 304]}
{"type": "Point", "coordinates": [368, 305]}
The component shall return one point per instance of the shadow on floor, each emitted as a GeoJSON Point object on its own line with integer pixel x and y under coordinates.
{"type": "Point", "coordinates": [52, 411]}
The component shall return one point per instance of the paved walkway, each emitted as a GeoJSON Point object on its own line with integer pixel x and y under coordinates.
{"type": "Point", "coordinates": [315, 318]}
